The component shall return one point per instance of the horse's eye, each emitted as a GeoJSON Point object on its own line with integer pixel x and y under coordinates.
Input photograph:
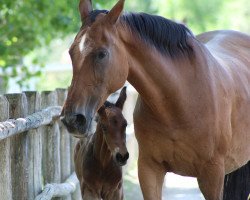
{"type": "Point", "coordinates": [101, 54]}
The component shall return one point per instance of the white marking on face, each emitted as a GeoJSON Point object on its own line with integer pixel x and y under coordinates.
{"type": "Point", "coordinates": [116, 150]}
{"type": "Point", "coordinates": [82, 42]}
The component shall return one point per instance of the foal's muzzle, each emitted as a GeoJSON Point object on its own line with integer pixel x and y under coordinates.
{"type": "Point", "coordinates": [121, 159]}
{"type": "Point", "coordinates": [76, 124]}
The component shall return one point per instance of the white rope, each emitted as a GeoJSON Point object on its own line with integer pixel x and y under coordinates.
{"type": "Point", "coordinates": [15, 126]}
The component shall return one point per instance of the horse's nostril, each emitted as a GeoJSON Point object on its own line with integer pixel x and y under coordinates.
{"type": "Point", "coordinates": [122, 158]}
{"type": "Point", "coordinates": [126, 156]}
{"type": "Point", "coordinates": [118, 157]}
{"type": "Point", "coordinates": [67, 121]}
{"type": "Point", "coordinates": [71, 119]}
{"type": "Point", "coordinates": [74, 122]}
{"type": "Point", "coordinates": [80, 119]}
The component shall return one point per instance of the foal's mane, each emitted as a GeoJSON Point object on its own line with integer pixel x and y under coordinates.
{"type": "Point", "coordinates": [167, 36]}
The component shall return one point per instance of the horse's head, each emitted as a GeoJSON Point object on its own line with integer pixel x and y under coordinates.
{"type": "Point", "coordinates": [99, 64]}
{"type": "Point", "coordinates": [113, 127]}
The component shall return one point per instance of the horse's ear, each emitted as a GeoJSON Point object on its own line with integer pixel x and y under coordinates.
{"type": "Point", "coordinates": [122, 98]}
{"type": "Point", "coordinates": [85, 7]}
{"type": "Point", "coordinates": [115, 12]}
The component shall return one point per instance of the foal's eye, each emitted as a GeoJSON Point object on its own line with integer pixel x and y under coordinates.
{"type": "Point", "coordinates": [104, 128]}
{"type": "Point", "coordinates": [101, 54]}
{"type": "Point", "coordinates": [125, 125]}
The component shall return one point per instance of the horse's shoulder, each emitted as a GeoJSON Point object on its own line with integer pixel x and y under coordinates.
{"type": "Point", "coordinates": [141, 112]}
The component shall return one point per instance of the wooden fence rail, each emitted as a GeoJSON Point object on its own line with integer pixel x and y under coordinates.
{"type": "Point", "coordinates": [44, 117]}
{"type": "Point", "coordinates": [36, 151]}
{"type": "Point", "coordinates": [59, 190]}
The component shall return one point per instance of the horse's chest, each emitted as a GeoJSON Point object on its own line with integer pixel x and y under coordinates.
{"type": "Point", "coordinates": [174, 155]}
{"type": "Point", "coordinates": [177, 149]}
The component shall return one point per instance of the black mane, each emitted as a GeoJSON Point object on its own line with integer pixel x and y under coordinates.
{"type": "Point", "coordinates": [167, 36]}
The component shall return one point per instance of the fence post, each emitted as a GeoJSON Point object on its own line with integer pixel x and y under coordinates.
{"type": "Point", "coordinates": [69, 143]}
{"type": "Point", "coordinates": [64, 143]}
{"type": "Point", "coordinates": [77, 194]}
{"type": "Point", "coordinates": [19, 152]}
{"type": "Point", "coordinates": [34, 148]}
{"type": "Point", "coordinates": [51, 143]}
{"type": "Point", "coordinates": [5, 167]}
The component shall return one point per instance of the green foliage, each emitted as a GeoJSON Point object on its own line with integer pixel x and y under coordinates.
{"type": "Point", "coordinates": [26, 25]}
{"type": "Point", "coordinates": [235, 15]}
{"type": "Point", "coordinates": [53, 80]}
{"type": "Point", "coordinates": [203, 15]}
{"type": "Point", "coordinates": [199, 15]}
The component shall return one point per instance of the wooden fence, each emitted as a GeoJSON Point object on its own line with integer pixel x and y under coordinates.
{"type": "Point", "coordinates": [36, 151]}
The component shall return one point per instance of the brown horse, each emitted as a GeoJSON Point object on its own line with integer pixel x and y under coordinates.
{"type": "Point", "coordinates": [99, 157]}
{"type": "Point", "coordinates": [193, 111]}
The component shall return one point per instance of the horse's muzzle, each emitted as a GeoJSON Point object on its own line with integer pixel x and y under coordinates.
{"type": "Point", "coordinates": [75, 123]}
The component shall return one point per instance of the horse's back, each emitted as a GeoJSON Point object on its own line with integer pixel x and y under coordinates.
{"type": "Point", "coordinates": [228, 45]}
{"type": "Point", "coordinates": [231, 50]}
{"type": "Point", "coordinates": [227, 39]}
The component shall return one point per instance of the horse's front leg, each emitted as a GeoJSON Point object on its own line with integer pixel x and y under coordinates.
{"type": "Point", "coordinates": [211, 179]}
{"type": "Point", "coordinates": [151, 177]}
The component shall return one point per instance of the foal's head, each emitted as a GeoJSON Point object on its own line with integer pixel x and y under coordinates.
{"type": "Point", "coordinates": [113, 127]}
{"type": "Point", "coordinates": [100, 66]}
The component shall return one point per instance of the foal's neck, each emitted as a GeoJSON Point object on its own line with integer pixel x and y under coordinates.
{"type": "Point", "coordinates": [101, 150]}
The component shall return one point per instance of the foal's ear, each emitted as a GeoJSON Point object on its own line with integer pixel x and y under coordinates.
{"type": "Point", "coordinates": [115, 12]}
{"type": "Point", "coordinates": [102, 111]}
{"type": "Point", "coordinates": [122, 98]}
{"type": "Point", "coordinates": [85, 7]}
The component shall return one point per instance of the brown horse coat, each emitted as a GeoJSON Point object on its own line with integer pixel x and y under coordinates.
{"type": "Point", "coordinates": [193, 111]}
{"type": "Point", "coordinates": [99, 157]}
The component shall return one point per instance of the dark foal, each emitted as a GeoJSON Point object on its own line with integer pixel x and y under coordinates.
{"type": "Point", "coordinates": [99, 158]}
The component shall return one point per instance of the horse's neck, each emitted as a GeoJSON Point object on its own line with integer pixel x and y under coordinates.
{"type": "Point", "coordinates": [101, 150]}
{"type": "Point", "coordinates": [162, 82]}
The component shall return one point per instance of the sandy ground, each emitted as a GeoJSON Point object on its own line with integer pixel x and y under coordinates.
{"type": "Point", "coordinates": [175, 187]}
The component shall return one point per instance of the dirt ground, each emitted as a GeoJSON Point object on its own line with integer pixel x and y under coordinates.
{"type": "Point", "coordinates": [175, 187]}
